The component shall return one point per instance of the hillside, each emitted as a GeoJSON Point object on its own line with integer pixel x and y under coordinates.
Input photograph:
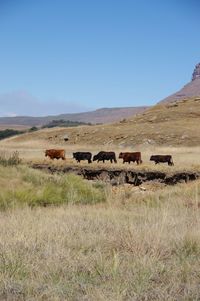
{"type": "Point", "coordinates": [173, 124]}
{"type": "Point", "coordinates": [104, 115]}
{"type": "Point", "coordinates": [192, 89]}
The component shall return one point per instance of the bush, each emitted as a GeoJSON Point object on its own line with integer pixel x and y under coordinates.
{"type": "Point", "coordinates": [64, 123]}
{"type": "Point", "coordinates": [33, 129]}
{"type": "Point", "coordinates": [9, 133]}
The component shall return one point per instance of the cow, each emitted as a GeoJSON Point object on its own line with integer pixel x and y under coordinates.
{"type": "Point", "coordinates": [162, 159]}
{"type": "Point", "coordinates": [82, 156]}
{"type": "Point", "coordinates": [103, 156]}
{"type": "Point", "coordinates": [128, 157]}
{"type": "Point", "coordinates": [55, 154]}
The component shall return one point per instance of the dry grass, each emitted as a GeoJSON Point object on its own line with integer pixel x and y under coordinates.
{"type": "Point", "coordinates": [135, 247]}
{"type": "Point", "coordinates": [138, 245]}
{"type": "Point", "coordinates": [32, 151]}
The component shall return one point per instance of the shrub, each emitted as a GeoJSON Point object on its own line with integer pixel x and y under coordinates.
{"type": "Point", "coordinates": [64, 123]}
{"type": "Point", "coordinates": [9, 133]}
{"type": "Point", "coordinates": [33, 129]}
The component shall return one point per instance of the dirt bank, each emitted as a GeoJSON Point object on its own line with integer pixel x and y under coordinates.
{"type": "Point", "coordinates": [121, 176]}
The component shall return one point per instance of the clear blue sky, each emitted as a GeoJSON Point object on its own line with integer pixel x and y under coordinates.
{"type": "Point", "coordinates": [59, 56]}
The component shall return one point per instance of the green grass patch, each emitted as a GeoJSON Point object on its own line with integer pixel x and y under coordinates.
{"type": "Point", "coordinates": [22, 186]}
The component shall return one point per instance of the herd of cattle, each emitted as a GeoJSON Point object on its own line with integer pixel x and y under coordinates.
{"type": "Point", "coordinates": [108, 156]}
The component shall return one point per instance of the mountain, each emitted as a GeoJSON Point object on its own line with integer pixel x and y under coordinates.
{"type": "Point", "coordinates": [103, 115]}
{"type": "Point", "coordinates": [192, 89]}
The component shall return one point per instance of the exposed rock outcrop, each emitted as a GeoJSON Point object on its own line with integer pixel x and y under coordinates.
{"type": "Point", "coordinates": [196, 73]}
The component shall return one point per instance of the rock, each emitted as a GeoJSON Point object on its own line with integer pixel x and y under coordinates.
{"type": "Point", "coordinates": [142, 188]}
{"type": "Point", "coordinates": [184, 137]}
{"type": "Point", "coordinates": [196, 73]}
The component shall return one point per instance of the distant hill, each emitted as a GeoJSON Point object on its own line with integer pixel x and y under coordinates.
{"type": "Point", "coordinates": [104, 115]}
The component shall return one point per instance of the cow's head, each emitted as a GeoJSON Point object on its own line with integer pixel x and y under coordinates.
{"type": "Point", "coordinates": [152, 158]}
{"type": "Point", "coordinates": [95, 158]}
{"type": "Point", "coordinates": [121, 155]}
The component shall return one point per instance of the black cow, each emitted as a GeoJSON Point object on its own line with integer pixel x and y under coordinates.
{"type": "Point", "coordinates": [103, 156]}
{"type": "Point", "coordinates": [83, 156]}
{"type": "Point", "coordinates": [162, 159]}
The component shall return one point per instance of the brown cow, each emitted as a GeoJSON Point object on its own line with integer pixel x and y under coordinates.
{"type": "Point", "coordinates": [128, 157]}
{"type": "Point", "coordinates": [55, 154]}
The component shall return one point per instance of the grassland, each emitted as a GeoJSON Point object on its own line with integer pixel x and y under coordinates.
{"type": "Point", "coordinates": [32, 151]}
{"type": "Point", "coordinates": [63, 238]}
{"type": "Point", "coordinates": [132, 246]}
{"type": "Point", "coordinates": [66, 239]}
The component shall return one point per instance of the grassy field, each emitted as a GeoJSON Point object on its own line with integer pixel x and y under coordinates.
{"type": "Point", "coordinates": [131, 245]}
{"type": "Point", "coordinates": [63, 238]}
{"type": "Point", "coordinates": [32, 151]}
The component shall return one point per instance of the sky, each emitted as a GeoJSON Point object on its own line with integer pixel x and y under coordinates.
{"type": "Point", "coordinates": [64, 56]}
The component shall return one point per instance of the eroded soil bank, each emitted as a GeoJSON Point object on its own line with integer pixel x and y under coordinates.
{"type": "Point", "coordinates": [121, 176]}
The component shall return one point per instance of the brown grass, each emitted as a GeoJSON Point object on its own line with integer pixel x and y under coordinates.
{"type": "Point", "coordinates": [138, 245]}
{"type": "Point", "coordinates": [135, 247]}
{"type": "Point", "coordinates": [185, 158]}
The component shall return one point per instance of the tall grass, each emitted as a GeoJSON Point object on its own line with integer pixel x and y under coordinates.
{"type": "Point", "coordinates": [135, 252]}
{"type": "Point", "coordinates": [124, 245]}
{"type": "Point", "coordinates": [9, 159]}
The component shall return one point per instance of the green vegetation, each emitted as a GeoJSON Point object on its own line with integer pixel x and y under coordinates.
{"type": "Point", "coordinates": [33, 129]}
{"type": "Point", "coordinates": [9, 133]}
{"type": "Point", "coordinates": [64, 123]}
{"type": "Point", "coordinates": [34, 188]}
